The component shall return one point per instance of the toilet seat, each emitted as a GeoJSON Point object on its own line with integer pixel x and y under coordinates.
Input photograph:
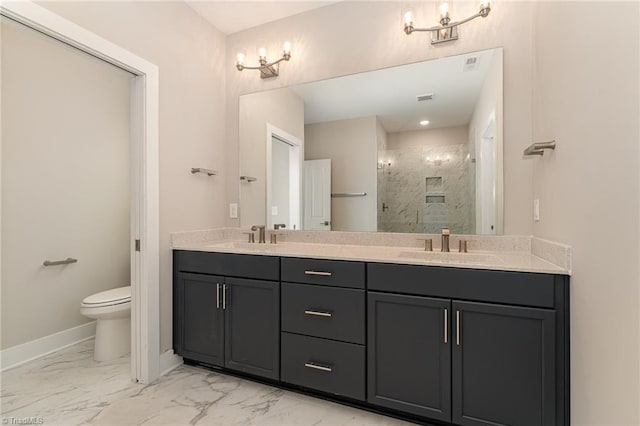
{"type": "Point", "coordinates": [113, 297]}
{"type": "Point", "coordinates": [112, 311]}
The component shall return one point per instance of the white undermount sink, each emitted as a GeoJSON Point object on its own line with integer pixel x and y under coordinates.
{"type": "Point", "coordinates": [449, 257]}
{"type": "Point", "coordinates": [238, 245]}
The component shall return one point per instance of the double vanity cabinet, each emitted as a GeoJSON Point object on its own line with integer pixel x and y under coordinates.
{"type": "Point", "coordinates": [434, 344]}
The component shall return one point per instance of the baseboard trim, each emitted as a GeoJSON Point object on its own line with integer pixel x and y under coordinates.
{"type": "Point", "coordinates": [25, 352]}
{"type": "Point", "coordinates": [169, 361]}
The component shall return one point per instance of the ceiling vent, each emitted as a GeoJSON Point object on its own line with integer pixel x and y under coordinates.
{"type": "Point", "coordinates": [425, 97]}
{"type": "Point", "coordinates": [470, 64]}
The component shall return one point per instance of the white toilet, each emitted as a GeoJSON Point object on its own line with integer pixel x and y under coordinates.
{"type": "Point", "coordinates": [112, 310]}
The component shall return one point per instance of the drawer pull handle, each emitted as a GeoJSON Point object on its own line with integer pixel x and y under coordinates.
{"type": "Point", "coordinates": [317, 367]}
{"type": "Point", "coordinates": [224, 296]}
{"type": "Point", "coordinates": [324, 274]}
{"type": "Point", "coordinates": [446, 325]}
{"type": "Point", "coordinates": [318, 313]}
{"type": "Point", "coordinates": [458, 328]}
{"type": "Point", "coordinates": [218, 296]}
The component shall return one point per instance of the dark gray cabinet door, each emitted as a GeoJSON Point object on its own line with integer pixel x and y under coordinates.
{"type": "Point", "coordinates": [503, 365]}
{"type": "Point", "coordinates": [200, 322]}
{"type": "Point", "coordinates": [409, 354]}
{"type": "Point", "coordinates": [252, 327]}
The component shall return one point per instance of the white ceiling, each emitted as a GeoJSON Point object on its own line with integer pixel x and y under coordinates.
{"type": "Point", "coordinates": [236, 15]}
{"type": "Point", "coordinates": [391, 93]}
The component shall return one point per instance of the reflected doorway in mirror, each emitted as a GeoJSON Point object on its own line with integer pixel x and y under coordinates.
{"type": "Point", "coordinates": [317, 195]}
{"type": "Point", "coordinates": [284, 174]}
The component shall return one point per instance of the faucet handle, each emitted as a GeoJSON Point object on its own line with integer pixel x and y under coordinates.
{"type": "Point", "coordinates": [261, 232]}
{"type": "Point", "coordinates": [251, 235]}
{"type": "Point", "coordinates": [274, 237]}
{"type": "Point", "coordinates": [428, 243]}
{"type": "Point", "coordinates": [462, 246]}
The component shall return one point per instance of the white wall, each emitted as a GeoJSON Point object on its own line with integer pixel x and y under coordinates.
{"type": "Point", "coordinates": [188, 51]}
{"type": "Point", "coordinates": [65, 182]}
{"type": "Point", "coordinates": [351, 37]}
{"type": "Point", "coordinates": [281, 108]}
{"type": "Point", "coordinates": [381, 135]}
{"type": "Point", "coordinates": [587, 99]}
{"type": "Point", "coordinates": [352, 146]}
{"type": "Point", "coordinates": [444, 136]}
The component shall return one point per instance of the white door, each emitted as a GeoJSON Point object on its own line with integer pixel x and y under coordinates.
{"type": "Point", "coordinates": [317, 195]}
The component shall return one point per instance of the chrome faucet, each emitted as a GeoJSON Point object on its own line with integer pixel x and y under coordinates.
{"type": "Point", "coordinates": [277, 226]}
{"type": "Point", "coordinates": [445, 239]}
{"type": "Point", "coordinates": [260, 229]}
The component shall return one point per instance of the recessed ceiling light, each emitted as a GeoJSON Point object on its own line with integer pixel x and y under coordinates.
{"type": "Point", "coordinates": [424, 122]}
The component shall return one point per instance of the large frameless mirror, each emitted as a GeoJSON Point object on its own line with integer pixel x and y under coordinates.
{"type": "Point", "coordinates": [413, 148]}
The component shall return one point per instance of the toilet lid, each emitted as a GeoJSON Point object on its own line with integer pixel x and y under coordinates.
{"type": "Point", "coordinates": [109, 297]}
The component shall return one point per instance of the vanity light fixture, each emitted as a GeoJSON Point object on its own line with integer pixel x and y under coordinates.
{"type": "Point", "coordinates": [424, 122]}
{"type": "Point", "coordinates": [384, 163]}
{"type": "Point", "coordinates": [267, 69]}
{"type": "Point", "coordinates": [447, 30]}
{"type": "Point", "coordinates": [438, 159]}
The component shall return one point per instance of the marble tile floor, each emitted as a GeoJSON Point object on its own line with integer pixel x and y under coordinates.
{"type": "Point", "coordinates": [69, 388]}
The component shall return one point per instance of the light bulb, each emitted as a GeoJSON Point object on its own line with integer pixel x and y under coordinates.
{"type": "Point", "coordinates": [408, 18]}
{"type": "Point", "coordinates": [262, 52]}
{"type": "Point", "coordinates": [240, 58]}
{"type": "Point", "coordinates": [424, 122]}
{"type": "Point", "coordinates": [287, 48]}
{"type": "Point", "coordinates": [485, 8]}
{"type": "Point", "coordinates": [444, 10]}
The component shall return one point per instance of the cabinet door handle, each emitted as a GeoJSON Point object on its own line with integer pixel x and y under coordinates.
{"type": "Point", "coordinates": [224, 296]}
{"type": "Point", "coordinates": [458, 328]}
{"type": "Point", "coordinates": [217, 295]}
{"type": "Point", "coordinates": [317, 366]}
{"type": "Point", "coordinates": [446, 326]}
{"type": "Point", "coordinates": [318, 313]}
{"type": "Point", "coordinates": [324, 274]}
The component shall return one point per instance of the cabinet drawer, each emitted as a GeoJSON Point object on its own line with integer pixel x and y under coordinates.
{"type": "Point", "coordinates": [336, 273]}
{"type": "Point", "coordinates": [329, 312]}
{"type": "Point", "coordinates": [228, 264]}
{"type": "Point", "coordinates": [324, 365]}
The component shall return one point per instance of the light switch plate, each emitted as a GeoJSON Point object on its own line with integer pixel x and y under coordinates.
{"type": "Point", "coordinates": [536, 210]}
{"type": "Point", "coordinates": [274, 210]}
{"type": "Point", "coordinates": [233, 210]}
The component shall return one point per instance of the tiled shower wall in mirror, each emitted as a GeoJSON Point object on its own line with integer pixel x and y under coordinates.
{"type": "Point", "coordinates": [426, 181]}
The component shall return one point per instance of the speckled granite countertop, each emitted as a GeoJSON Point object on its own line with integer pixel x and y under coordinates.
{"type": "Point", "coordinates": [504, 253]}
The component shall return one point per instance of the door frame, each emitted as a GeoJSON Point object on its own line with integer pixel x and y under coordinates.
{"type": "Point", "coordinates": [145, 330]}
{"type": "Point", "coordinates": [295, 167]}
